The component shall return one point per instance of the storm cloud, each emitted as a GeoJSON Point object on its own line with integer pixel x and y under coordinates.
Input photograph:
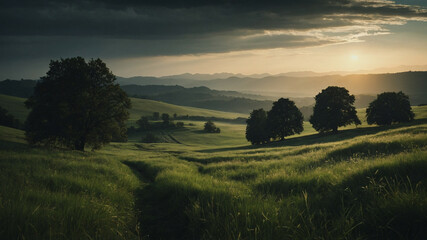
{"type": "Point", "coordinates": [129, 28]}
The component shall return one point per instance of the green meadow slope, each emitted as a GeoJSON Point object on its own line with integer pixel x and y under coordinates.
{"type": "Point", "coordinates": [16, 106]}
{"type": "Point", "coordinates": [367, 182]}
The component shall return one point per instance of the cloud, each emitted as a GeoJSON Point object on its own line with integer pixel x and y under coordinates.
{"type": "Point", "coordinates": [165, 27]}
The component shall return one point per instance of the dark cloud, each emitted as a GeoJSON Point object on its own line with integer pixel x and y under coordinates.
{"type": "Point", "coordinates": [164, 27]}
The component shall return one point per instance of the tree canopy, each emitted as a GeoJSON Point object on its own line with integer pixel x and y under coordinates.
{"type": "Point", "coordinates": [284, 119]}
{"type": "Point", "coordinates": [388, 108]}
{"type": "Point", "coordinates": [334, 108]}
{"type": "Point", "coordinates": [77, 104]}
{"type": "Point", "coordinates": [256, 128]}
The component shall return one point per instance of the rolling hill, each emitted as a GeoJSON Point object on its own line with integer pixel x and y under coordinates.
{"type": "Point", "coordinates": [16, 107]}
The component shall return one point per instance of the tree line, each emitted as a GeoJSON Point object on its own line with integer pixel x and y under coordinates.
{"type": "Point", "coordinates": [334, 108]}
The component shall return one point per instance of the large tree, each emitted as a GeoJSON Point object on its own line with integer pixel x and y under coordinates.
{"type": "Point", "coordinates": [77, 104]}
{"type": "Point", "coordinates": [284, 119]}
{"type": "Point", "coordinates": [334, 108]}
{"type": "Point", "coordinates": [256, 128]}
{"type": "Point", "coordinates": [388, 108]}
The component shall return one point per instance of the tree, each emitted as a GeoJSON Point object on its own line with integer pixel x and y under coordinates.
{"type": "Point", "coordinates": [256, 128]}
{"type": "Point", "coordinates": [211, 128]}
{"type": "Point", "coordinates": [388, 108]}
{"type": "Point", "coordinates": [284, 119]}
{"type": "Point", "coordinates": [143, 123]}
{"type": "Point", "coordinates": [334, 108]}
{"type": "Point", "coordinates": [77, 104]}
{"type": "Point", "coordinates": [165, 118]}
{"type": "Point", "coordinates": [156, 116]}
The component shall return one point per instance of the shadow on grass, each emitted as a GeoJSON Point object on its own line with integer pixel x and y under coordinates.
{"type": "Point", "coordinates": [158, 217]}
{"type": "Point", "coordinates": [322, 138]}
{"type": "Point", "coordinates": [6, 145]}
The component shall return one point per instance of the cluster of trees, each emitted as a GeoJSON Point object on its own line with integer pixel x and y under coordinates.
{"type": "Point", "coordinates": [144, 123]}
{"type": "Point", "coordinates": [334, 108]}
{"type": "Point", "coordinates": [210, 127]}
{"type": "Point", "coordinates": [284, 119]}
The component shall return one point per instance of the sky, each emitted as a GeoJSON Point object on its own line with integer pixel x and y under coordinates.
{"type": "Point", "coordinates": [165, 37]}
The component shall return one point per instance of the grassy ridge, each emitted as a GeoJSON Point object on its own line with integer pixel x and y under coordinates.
{"type": "Point", "coordinates": [54, 194]}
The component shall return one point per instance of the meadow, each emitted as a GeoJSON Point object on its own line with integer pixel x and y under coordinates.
{"type": "Point", "coordinates": [361, 183]}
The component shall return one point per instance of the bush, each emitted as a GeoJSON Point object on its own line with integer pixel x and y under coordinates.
{"type": "Point", "coordinates": [211, 128]}
{"type": "Point", "coordinates": [179, 124]}
{"type": "Point", "coordinates": [150, 138]}
{"type": "Point", "coordinates": [143, 123]}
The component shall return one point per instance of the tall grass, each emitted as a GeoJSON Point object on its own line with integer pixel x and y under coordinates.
{"type": "Point", "coordinates": [370, 186]}
{"type": "Point", "coordinates": [55, 194]}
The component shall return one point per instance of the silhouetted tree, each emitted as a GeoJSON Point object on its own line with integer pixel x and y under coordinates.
{"type": "Point", "coordinates": [77, 104]}
{"type": "Point", "coordinates": [180, 124]}
{"type": "Point", "coordinates": [175, 116]}
{"type": "Point", "coordinates": [334, 108]}
{"type": "Point", "coordinates": [388, 108]}
{"type": "Point", "coordinates": [156, 116]}
{"type": "Point", "coordinates": [165, 118]}
{"type": "Point", "coordinates": [143, 123]}
{"type": "Point", "coordinates": [211, 128]}
{"type": "Point", "coordinates": [256, 128]}
{"type": "Point", "coordinates": [8, 120]}
{"type": "Point", "coordinates": [284, 119]}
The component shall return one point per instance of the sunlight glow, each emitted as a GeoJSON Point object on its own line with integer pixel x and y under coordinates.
{"type": "Point", "coordinates": [354, 57]}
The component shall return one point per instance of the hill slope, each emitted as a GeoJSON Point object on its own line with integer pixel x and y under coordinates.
{"type": "Point", "coordinates": [16, 107]}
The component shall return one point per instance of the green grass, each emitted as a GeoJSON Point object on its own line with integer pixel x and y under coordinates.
{"type": "Point", "coordinates": [367, 182]}
{"type": "Point", "coordinates": [15, 106]}
{"type": "Point", "coordinates": [55, 194]}
{"type": "Point", "coordinates": [369, 185]}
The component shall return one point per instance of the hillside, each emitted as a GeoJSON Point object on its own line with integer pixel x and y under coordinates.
{"type": "Point", "coordinates": [16, 107]}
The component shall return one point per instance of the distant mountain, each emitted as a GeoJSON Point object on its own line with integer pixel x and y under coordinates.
{"type": "Point", "coordinates": [205, 77]}
{"type": "Point", "coordinates": [153, 81]}
{"type": "Point", "coordinates": [411, 83]}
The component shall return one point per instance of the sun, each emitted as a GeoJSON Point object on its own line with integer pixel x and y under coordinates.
{"type": "Point", "coordinates": [354, 57]}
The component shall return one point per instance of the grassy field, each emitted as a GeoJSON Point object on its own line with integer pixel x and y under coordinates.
{"type": "Point", "coordinates": [362, 183]}
{"type": "Point", "coordinates": [140, 107]}
{"type": "Point", "coordinates": [365, 182]}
